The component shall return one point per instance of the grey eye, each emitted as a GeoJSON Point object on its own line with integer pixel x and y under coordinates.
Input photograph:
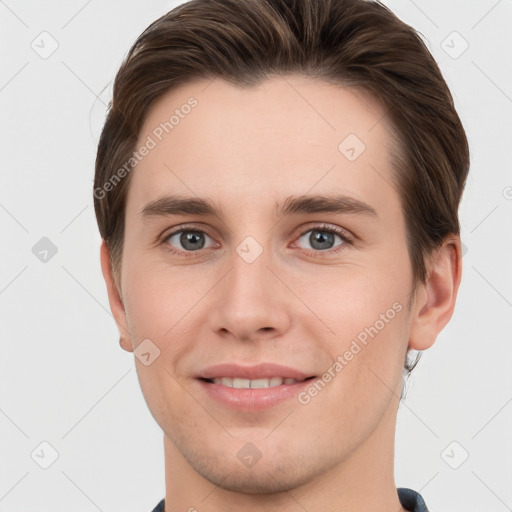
{"type": "Point", "coordinates": [190, 240]}
{"type": "Point", "coordinates": [320, 239]}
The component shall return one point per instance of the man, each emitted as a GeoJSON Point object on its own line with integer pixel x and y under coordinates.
{"type": "Point", "coordinates": [277, 186]}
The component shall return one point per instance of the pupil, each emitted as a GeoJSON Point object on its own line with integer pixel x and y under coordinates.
{"type": "Point", "coordinates": [191, 240]}
{"type": "Point", "coordinates": [323, 238]}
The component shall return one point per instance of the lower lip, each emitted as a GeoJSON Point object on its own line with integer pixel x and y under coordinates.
{"type": "Point", "coordinates": [252, 399]}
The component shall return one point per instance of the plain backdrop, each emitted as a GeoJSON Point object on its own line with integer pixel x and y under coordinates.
{"type": "Point", "coordinates": [67, 389]}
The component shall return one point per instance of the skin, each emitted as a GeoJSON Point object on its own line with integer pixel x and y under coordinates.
{"type": "Point", "coordinates": [296, 305]}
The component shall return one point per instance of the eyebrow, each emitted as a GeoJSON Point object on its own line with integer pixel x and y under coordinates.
{"type": "Point", "coordinates": [183, 205]}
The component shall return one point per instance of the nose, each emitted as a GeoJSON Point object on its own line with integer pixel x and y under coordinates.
{"type": "Point", "coordinates": [251, 301]}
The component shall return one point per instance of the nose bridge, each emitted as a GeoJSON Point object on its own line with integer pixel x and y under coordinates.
{"type": "Point", "coordinates": [248, 282]}
{"type": "Point", "coordinates": [250, 300]}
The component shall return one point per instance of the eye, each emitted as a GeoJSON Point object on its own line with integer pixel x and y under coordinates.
{"type": "Point", "coordinates": [322, 238]}
{"type": "Point", "coordinates": [190, 240]}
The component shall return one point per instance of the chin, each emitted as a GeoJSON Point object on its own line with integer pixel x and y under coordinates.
{"type": "Point", "coordinates": [261, 481]}
{"type": "Point", "coordinates": [273, 473]}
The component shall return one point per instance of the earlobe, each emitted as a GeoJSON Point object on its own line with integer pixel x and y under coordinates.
{"type": "Point", "coordinates": [435, 299]}
{"type": "Point", "coordinates": [114, 298]}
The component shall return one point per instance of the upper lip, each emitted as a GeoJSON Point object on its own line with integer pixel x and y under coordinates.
{"type": "Point", "coordinates": [259, 371]}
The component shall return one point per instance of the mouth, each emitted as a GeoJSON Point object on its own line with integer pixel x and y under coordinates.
{"type": "Point", "coordinates": [252, 388]}
{"type": "Point", "coordinates": [261, 383]}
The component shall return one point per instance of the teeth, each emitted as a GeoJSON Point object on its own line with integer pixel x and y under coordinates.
{"type": "Point", "coordinates": [241, 383]}
{"type": "Point", "coordinates": [275, 381]}
{"type": "Point", "coordinates": [254, 384]}
{"type": "Point", "coordinates": [261, 383]}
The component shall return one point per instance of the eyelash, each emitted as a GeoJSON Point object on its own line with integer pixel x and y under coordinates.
{"type": "Point", "coordinates": [321, 227]}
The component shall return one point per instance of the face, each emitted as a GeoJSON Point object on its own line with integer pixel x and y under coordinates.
{"type": "Point", "coordinates": [298, 302]}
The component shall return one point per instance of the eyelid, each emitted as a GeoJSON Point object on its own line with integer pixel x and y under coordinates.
{"type": "Point", "coordinates": [322, 226]}
{"type": "Point", "coordinates": [182, 227]}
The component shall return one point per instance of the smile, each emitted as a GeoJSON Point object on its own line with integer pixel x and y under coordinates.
{"type": "Point", "coordinates": [240, 383]}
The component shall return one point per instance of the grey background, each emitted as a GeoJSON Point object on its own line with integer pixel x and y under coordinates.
{"type": "Point", "coordinates": [65, 380]}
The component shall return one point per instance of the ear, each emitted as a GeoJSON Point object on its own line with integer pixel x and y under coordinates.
{"type": "Point", "coordinates": [114, 298]}
{"type": "Point", "coordinates": [435, 300]}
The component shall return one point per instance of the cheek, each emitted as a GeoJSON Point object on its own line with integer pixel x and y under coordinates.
{"type": "Point", "coordinates": [368, 359]}
{"type": "Point", "coordinates": [351, 300]}
{"type": "Point", "coordinates": [159, 296]}
{"type": "Point", "coordinates": [159, 305]}
{"type": "Point", "coordinates": [367, 310]}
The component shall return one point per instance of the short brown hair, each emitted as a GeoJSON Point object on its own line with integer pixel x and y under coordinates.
{"type": "Point", "coordinates": [353, 43]}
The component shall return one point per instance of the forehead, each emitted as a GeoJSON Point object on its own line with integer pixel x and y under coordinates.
{"type": "Point", "coordinates": [287, 133]}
